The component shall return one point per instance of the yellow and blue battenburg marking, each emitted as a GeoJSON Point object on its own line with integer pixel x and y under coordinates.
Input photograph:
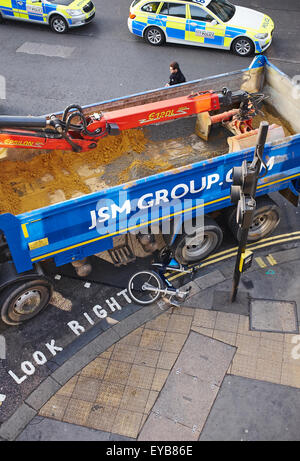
{"type": "Point", "coordinates": [27, 9]}
{"type": "Point", "coordinates": [33, 11]}
{"type": "Point", "coordinates": [186, 29]}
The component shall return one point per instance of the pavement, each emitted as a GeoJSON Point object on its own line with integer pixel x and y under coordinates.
{"type": "Point", "coordinates": [208, 370]}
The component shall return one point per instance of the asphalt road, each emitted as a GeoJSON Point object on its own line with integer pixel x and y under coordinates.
{"type": "Point", "coordinates": [102, 60]}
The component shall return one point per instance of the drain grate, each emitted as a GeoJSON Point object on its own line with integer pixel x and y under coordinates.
{"type": "Point", "coordinates": [273, 316]}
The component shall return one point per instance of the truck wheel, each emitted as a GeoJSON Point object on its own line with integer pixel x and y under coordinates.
{"type": "Point", "coordinates": [24, 300]}
{"type": "Point", "coordinates": [58, 24]}
{"type": "Point", "coordinates": [205, 241]}
{"type": "Point", "coordinates": [266, 219]}
{"type": "Point", "coordinates": [243, 46]}
{"type": "Point", "coordinates": [154, 36]}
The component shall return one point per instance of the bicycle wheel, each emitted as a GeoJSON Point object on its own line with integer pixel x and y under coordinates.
{"type": "Point", "coordinates": [143, 287]}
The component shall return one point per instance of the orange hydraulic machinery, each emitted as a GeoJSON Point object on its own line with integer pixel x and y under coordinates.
{"type": "Point", "coordinates": [78, 132]}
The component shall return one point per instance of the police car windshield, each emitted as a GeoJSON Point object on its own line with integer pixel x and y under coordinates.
{"type": "Point", "coordinates": [221, 8]}
{"type": "Point", "coordinates": [61, 2]}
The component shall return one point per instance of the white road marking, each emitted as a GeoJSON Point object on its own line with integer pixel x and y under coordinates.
{"type": "Point", "coordinates": [2, 348]}
{"type": "Point", "coordinates": [44, 49]}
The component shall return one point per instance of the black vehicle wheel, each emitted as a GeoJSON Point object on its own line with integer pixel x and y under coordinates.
{"type": "Point", "coordinates": [154, 36]}
{"type": "Point", "coordinates": [1, 18]}
{"type": "Point", "coordinates": [137, 287]}
{"type": "Point", "coordinates": [58, 24]}
{"type": "Point", "coordinates": [190, 249]}
{"type": "Point", "coordinates": [243, 46]}
{"type": "Point", "coordinates": [24, 300]}
{"type": "Point", "coordinates": [266, 219]}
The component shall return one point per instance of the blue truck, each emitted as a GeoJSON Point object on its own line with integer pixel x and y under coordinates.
{"type": "Point", "coordinates": [132, 214]}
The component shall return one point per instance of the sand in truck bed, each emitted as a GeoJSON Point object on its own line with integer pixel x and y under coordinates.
{"type": "Point", "coordinates": [54, 176]}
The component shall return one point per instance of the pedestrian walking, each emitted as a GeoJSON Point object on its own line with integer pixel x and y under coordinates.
{"type": "Point", "coordinates": [176, 75]}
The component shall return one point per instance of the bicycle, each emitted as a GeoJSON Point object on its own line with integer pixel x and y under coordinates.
{"type": "Point", "coordinates": [148, 285]}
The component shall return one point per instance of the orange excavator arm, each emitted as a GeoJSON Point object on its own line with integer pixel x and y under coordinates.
{"type": "Point", "coordinates": [78, 132]}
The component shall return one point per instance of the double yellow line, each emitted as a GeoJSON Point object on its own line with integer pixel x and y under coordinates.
{"type": "Point", "coordinates": [227, 254]}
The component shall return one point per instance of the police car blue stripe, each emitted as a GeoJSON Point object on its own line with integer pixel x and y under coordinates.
{"type": "Point", "coordinates": [49, 8]}
{"type": "Point", "coordinates": [7, 12]}
{"type": "Point", "coordinates": [155, 22]}
{"type": "Point", "coordinates": [214, 41]}
{"type": "Point", "coordinates": [175, 33]}
{"type": "Point", "coordinates": [232, 34]}
{"type": "Point", "coordinates": [235, 30]}
{"type": "Point", "coordinates": [192, 28]}
{"type": "Point", "coordinates": [138, 27]}
{"type": "Point", "coordinates": [35, 17]}
{"type": "Point", "coordinates": [137, 31]}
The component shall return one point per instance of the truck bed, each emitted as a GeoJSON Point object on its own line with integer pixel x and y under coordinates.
{"type": "Point", "coordinates": [32, 180]}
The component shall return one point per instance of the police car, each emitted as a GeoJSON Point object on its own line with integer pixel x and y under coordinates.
{"type": "Point", "coordinates": [59, 14]}
{"type": "Point", "coordinates": [211, 23]}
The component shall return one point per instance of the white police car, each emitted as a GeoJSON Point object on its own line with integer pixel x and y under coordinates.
{"type": "Point", "coordinates": [211, 23]}
{"type": "Point", "coordinates": [59, 14]}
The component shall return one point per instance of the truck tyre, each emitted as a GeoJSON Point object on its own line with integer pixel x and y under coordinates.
{"type": "Point", "coordinates": [266, 219]}
{"type": "Point", "coordinates": [24, 300]}
{"type": "Point", "coordinates": [190, 249]}
{"type": "Point", "coordinates": [243, 46]}
{"type": "Point", "coordinates": [58, 24]}
{"type": "Point", "coordinates": [154, 36]}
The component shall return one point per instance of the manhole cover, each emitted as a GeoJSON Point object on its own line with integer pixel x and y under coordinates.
{"type": "Point", "coordinates": [273, 316]}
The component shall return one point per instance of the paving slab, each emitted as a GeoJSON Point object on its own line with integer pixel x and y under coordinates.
{"type": "Point", "coordinates": [17, 422]}
{"type": "Point", "coordinates": [46, 429]}
{"type": "Point", "coordinates": [186, 400]}
{"type": "Point", "coordinates": [190, 390]}
{"type": "Point", "coordinates": [42, 394]}
{"type": "Point", "coordinates": [273, 316]}
{"type": "Point", "coordinates": [205, 358]}
{"type": "Point", "coordinates": [159, 428]}
{"type": "Point", "coordinates": [252, 410]}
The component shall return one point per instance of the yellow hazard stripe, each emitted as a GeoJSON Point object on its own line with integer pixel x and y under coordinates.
{"type": "Point", "coordinates": [260, 262]}
{"type": "Point", "coordinates": [25, 231]}
{"type": "Point", "coordinates": [271, 260]}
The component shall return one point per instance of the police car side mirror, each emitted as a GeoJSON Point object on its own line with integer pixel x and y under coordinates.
{"type": "Point", "coordinates": [214, 22]}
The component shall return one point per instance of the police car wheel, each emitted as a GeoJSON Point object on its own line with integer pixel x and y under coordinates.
{"type": "Point", "coordinates": [243, 46]}
{"type": "Point", "coordinates": [154, 36]}
{"type": "Point", "coordinates": [58, 24]}
{"type": "Point", "coordinates": [1, 18]}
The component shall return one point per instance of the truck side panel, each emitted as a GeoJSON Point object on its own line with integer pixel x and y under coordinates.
{"type": "Point", "coordinates": [80, 227]}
